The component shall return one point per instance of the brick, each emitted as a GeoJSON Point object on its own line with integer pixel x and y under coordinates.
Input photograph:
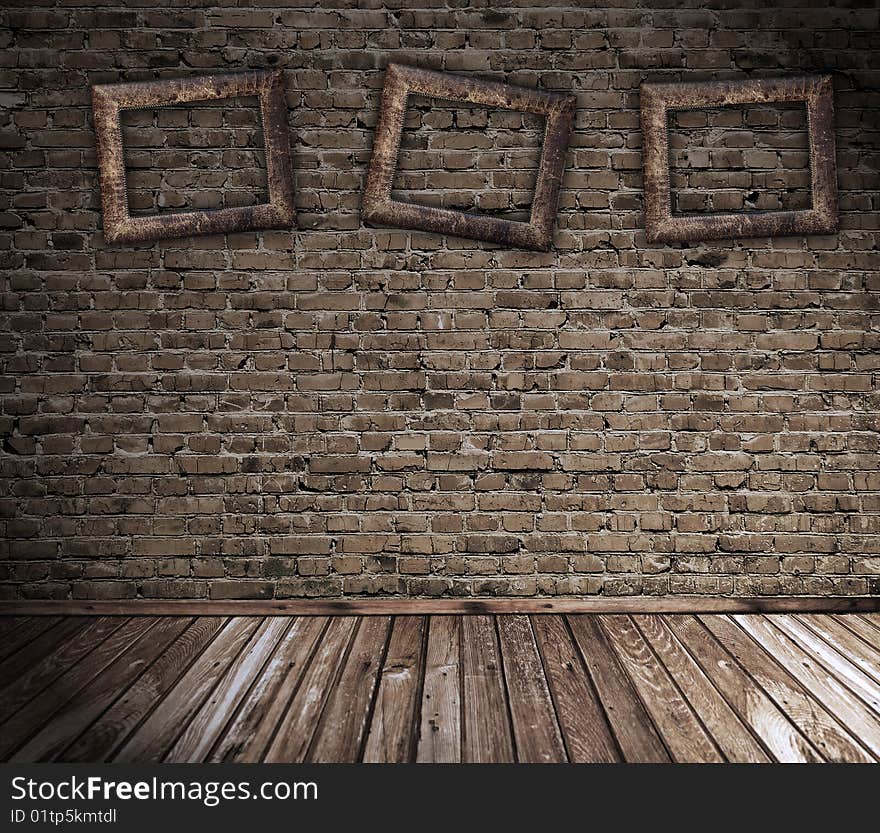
{"type": "Point", "coordinates": [241, 589]}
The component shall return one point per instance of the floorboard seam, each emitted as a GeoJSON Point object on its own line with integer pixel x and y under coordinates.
{"type": "Point", "coordinates": [873, 648]}
{"type": "Point", "coordinates": [416, 734]}
{"type": "Point", "coordinates": [633, 687]}
{"type": "Point", "coordinates": [244, 698]}
{"type": "Point", "coordinates": [847, 732]}
{"type": "Point", "coordinates": [744, 721]}
{"type": "Point", "coordinates": [331, 689]}
{"type": "Point", "coordinates": [121, 693]}
{"type": "Point", "coordinates": [679, 689]}
{"type": "Point", "coordinates": [539, 648]}
{"type": "Point", "coordinates": [149, 712]}
{"type": "Point", "coordinates": [220, 677]}
{"type": "Point", "coordinates": [302, 675]}
{"type": "Point", "coordinates": [374, 694]}
{"type": "Point", "coordinates": [810, 742]}
{"type": "Point", "coordinates": [100, 670]}
{"type": "Point", "coordinates": [594, 687]}
{"type": "Point", "coordinates": [50, 682]}
{"type": "Point", "coordinates": [505, 690]}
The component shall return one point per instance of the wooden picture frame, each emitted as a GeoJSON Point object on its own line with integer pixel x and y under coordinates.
{"type": "Point", "coordinates": [109, 100]}
{"type": "Point", "coordinates": [661, 225]}
{"type": "Point", "coordinates": [378, 206]}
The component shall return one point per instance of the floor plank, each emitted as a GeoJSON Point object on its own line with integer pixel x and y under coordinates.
{"type": "Point", "coordinates": [486, 731]}
{"type": "Point", "coordinates": [873, 619]}
{"type": "Point", "coordinates": [342, 730]}
{"type": "Point", "coordinates": [41, 646]}
{"type": "Point", "coordinates": [46, 671]}
{"type": "Point", "coordinates": [837, 665]}
{"type": "Point", "coordinates": [298, 723]}
{"type": "Point", "coordinates": [89, 702]}
{"type": "Point", "coordinates": [681, 730]}
{"type": "Point", "coordinates": [734, 739]}
{"type": "Point", "coordinates": [392, 730]}
{"type": "Point", "coordinates": [196, 741]}
{"type": "Point", "coordinates": [440, 729]}
{"type": "Point", "coordinates": [23, 636]}
{"type": "Point", "coordinates": [585, 729]}
{"type": "Point", "coordinates": [108, 733]}
{"type": "Point", "coordinates": [633, 729]}
{"type": "Point", "coordinates": [845, 633]}
{"type": "Point", "coordinates": [871, 630]}
{"type": "Point", "coordinates": [153, 738]}
{"type": "Point", "coordinates": [535, 728]}
{"type": "Point", "coordinates": [824, 733]}
{"type": "Point", "coordinates": [779, 736]}
{"type": "Point", "coordinates": [824, 696]}
{"type": "Point", "coordinates": [20, 726]}
{"type": "Point", "coordinates": [8, 626]}
{"type": "Point", "coordinates": [253, 726]}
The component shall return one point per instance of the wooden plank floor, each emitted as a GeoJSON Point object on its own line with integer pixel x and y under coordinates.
{"type": "Point", "coordinates": [580, 688]}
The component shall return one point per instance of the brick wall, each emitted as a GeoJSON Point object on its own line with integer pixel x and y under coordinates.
{"type": "Point", "coordinates": [343, 410]}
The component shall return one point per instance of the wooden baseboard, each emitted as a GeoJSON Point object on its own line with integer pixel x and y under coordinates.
{"type": "Point", "coordinates": [401, 606]}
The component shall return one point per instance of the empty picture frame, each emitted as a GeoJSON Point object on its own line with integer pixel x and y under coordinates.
{"type": "Point", "coordinates": [108, 100]}
{"type": "Point", "coordinates": [379, 207]}
{"type": "Point", "coordinates": [661, 225]}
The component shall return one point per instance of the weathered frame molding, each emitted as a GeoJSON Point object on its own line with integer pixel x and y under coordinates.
{"type": "Point", "coordinates": [378, 206]}
{"type": "Point", "coordinates": [109, 100]}
{"type": "Point", "coordinates": [658, 99]}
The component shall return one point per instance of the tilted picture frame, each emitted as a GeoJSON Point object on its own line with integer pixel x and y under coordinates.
{"type": "Point", "coordinates": [109, 100]}
{"type": "Point", "coordinates": [378, 206]}
{"type": "Point", "coordinates": [657, 100]}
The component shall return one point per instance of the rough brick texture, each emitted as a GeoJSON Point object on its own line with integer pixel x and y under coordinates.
{"type": "Point", "coordinates": [343, 410]}
{"type": "Point", "coordinates": [753, 158]}
{"type": "Point", "coordinates": [200, 157]}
